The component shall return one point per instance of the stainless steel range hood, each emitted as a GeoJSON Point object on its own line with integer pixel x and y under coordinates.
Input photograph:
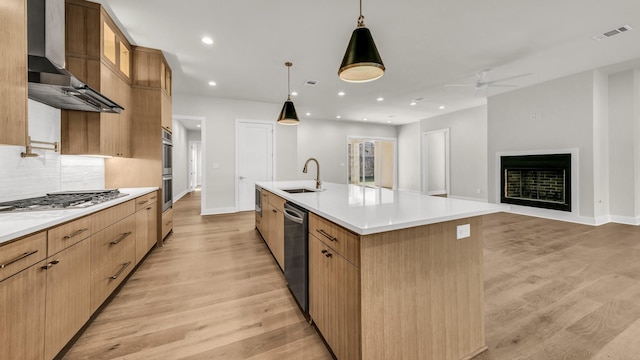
{"type": "Point", "coordinates": [49, 82]}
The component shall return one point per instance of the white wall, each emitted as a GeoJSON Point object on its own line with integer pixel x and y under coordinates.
{"type": "Point", "coordinates": [624, 146]}
{"type": "Point", "coordinates": [409, 156]}
{"type": "Point", "coordinates": [30, 177]}
{"type": "Point", "coordinates": [193, 135]}
{"type": "Point", "coordinates": [326, 140]}
{"type": "Point", "coordinates": [468, 150]}
{"type": "Point", "coordinates": [219, 137]}
{"type": "Point", "coordinates": [558, 114]}
{"type": "Point", "coordinates": [180, 160]}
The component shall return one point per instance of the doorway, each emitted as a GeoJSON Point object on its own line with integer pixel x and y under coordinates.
{"type": "Point", "coordinates": [254, 159]}
{"type": "Point", "coordinates": [195, 165]}
{"type": "Point", "coordinates": [372, 162]}
{"type": "Point", "coordinates": [436, 163]}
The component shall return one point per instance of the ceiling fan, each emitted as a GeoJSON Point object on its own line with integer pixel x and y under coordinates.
{"type": "Point", "coordinates": [482, 83]}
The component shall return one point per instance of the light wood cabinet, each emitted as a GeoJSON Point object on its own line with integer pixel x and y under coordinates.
{"type": "Point", "coordinates": [276, 228]}
{"type": "Point", "coordinates": [63, 236]}
{"type": "Point", "coordinates": [334, 299]}
{"type": "Point", "coordinates": [385, 295]}
{"type": "Point", "coordinates": [67, 299]}
{"type": "Point", "coordinates": [98, 54]}
{"type": "Point", "coordinates": [152, 75]}
{"type": "Point", "coordinates": [146, 227]}
{"type": "Point", "coordinates": [20, 254]}
{"type": "Point", "coordinates": [167, 224]}
{"type": "Point", "coordinates": [13, 72]}
{"type": "Point", "coordinates": [22, 314]}
{"type": "Point", "coordinates": [113, 255]}
{"type": "Point", "coordinates": [46, 296]}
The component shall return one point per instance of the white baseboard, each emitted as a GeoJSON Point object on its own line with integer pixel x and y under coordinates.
{"type": "Point", "coordinates": [469, 198]}
{"type": "Point", "coordinates": [179, 196]}
{"type": "Point", "coordinates": [627, 220]}
{"type": "Point", "coordinates": [557, 215]}
{"type": "Point", "coordinates": [218, 211]}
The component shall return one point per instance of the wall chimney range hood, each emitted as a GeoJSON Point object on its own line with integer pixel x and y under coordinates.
{"type": "Point", "coordinates": [49, 82]}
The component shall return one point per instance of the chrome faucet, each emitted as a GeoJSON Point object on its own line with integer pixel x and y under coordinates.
{"type": "Point", "coordinates": [304, 170]}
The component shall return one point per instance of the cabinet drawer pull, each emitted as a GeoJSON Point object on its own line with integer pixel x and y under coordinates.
{"type": "Point", "coordinates": [124, 266]}
{"type": "Point", "coordinates": [66, 237]}
{"type": "Point", "coordinates": [142, 202]}
{"type": "Point", "coordinates": [274, 210]}
{"type": "Point", "coordinates": [326, 235]}
{"type": "Point", "coordinates": [27, 254]}
{"type": "Point", "coordinates": [50, 264]}
{"type": "Point", "coordinates": [168, 223]}
{"type": "Point", "coordinates": [324, 251]}
{"type": "Point", "coordinates": [154, 197]}
{"type": "Point", "coordinates": [149, 208]}
{"type": "Point", "coordinates": [122, 237]}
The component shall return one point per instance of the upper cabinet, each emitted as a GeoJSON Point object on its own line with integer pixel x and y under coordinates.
{"type": "Point", "coordinates": [98, 54]}
{"type": "Point", "coordinates": [13, 72]}
{"type": "Point", "coordinates": [152, 76]}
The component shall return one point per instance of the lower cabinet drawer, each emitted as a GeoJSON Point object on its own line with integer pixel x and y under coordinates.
{"type": "Point", "coordinates": [20, 254]}
{"type": "Point", "coordinates": [113, 256]}
{"type": "Point", "coordinates": [167, 222]}
{"type": "Point", "coordinates": [63, 236]}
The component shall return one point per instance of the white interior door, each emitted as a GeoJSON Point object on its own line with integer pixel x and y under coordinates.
{"type": "Point", "coordinates": [254, 160]}
{"type": "Point", "coordinates": [195, 161]}
{"type": "Point", "coordinates": [436, 168]}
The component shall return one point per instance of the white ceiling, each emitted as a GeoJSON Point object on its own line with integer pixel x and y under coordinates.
{"type": "Point", "coordinates": [424, 44]}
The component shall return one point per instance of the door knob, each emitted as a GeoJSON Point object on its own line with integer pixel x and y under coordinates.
{"type": "Point", "coordinates": [241, 177]}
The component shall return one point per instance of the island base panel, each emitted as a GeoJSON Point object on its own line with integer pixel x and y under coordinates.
{"type": "Point", "coordinates": [422, 293]}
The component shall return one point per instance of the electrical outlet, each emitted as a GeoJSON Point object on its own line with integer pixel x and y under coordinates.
{"type": "Point", "coordinates": [463, 231]}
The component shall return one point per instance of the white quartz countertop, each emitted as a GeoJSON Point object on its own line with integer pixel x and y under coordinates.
{"type": "Point", "coordinates": [366, 210]}
{"type": "Point", "coordinates": [18, 224]}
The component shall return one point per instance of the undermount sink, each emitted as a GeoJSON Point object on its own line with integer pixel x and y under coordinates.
{"type": "Point", "coordinates": [298, 191]}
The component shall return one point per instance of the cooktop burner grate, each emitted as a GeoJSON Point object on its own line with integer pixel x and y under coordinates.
{"type": "Point", "coordinates": [62, 200]}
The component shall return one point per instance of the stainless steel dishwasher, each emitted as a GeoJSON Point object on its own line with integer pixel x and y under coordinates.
{"type": "Point", "coordinates": [296, 257]}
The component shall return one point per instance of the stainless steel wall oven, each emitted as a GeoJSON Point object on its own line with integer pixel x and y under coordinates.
{"type": "Point", "coordinates": [167, 170]}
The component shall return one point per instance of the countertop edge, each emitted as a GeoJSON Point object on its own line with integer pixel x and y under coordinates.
{"type": "Point", "coordinates": [70, 215]}
{"type": "Point", "coordinates": [270, 186]}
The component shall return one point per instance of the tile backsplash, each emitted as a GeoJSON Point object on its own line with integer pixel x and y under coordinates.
{"type": "Point", "coordinates": [29, 177]}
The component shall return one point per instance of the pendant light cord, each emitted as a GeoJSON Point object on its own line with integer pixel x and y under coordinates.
{"type": "Point", "coordinates": [360, 18]}
{"type": "Point", "coordinates": [288, 64]}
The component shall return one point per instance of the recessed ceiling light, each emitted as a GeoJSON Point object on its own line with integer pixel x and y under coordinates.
{"type": "Point", "coordinates": [212, 83]}
{"type": "Point", "coordinates": [412, 103]}
{"type": "Point", "coordinates": [365, 119]}
{"type": "Point", "coordinates": [308, 114]}
{"type": "Point", "coordinates": [199, 125]}
{"type": "Point", "coordinates": [338, 116]}
{"type": "Point", "coordinates": [294, 93]}
{"type": "Point", "coordinates": [341, 93]}
{"type": "Point", "coordinates": [441, 107]}
{"type": "Point", "coordinates": [389, 121]}
{"type": "Point", "coordinates": [207, 40]}
{"type": "Point", "coordinates": [380, 99]}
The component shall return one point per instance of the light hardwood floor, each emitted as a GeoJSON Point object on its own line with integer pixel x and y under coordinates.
{"type": "Point", "coordinates": [553, 290]}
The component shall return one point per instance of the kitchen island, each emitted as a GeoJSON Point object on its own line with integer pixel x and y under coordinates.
{"type": "Point", "coordinates": [393, 274]}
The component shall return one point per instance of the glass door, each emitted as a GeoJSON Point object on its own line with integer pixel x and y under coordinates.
{"type": "Point", "coordinates": [372, 162]}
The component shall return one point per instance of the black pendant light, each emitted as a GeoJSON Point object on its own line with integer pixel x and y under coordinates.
{"type": "Point", "coordinates": [361, 62]}
{"type": "Point", "coordinates": [288, 114]}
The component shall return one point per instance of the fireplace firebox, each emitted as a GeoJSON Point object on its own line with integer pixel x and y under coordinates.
{"type": "Point", "coordinates": [542, 181]}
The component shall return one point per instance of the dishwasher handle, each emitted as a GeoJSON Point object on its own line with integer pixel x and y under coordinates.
{"type": "Point", "coordinates": [294, 215]}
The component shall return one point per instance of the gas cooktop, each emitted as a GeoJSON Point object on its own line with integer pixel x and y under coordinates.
{"type": "Point", "coordinates": [62, 200]}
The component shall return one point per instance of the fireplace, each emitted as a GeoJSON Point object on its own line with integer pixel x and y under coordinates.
{"type": "Point", "coordinates": [542, 181]}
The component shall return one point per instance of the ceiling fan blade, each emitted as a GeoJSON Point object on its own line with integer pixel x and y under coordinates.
{"type": "Point", "coordinates": [507, 78]}
{"type": "Point", "coordinates": [501, 85]}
